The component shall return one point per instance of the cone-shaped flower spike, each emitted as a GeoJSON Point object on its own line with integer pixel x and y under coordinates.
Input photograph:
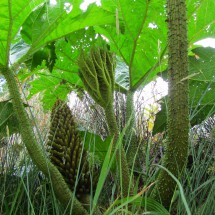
{"type": "Point", "coordinates": [66, 151]}
{"type": "Point", "coordinates": [97, 73]}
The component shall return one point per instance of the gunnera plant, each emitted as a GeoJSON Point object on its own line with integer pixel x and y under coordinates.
{"type": "Point", "coordinates": [96, 70]}
{"type": "Point", "coordinates": [67, 152]}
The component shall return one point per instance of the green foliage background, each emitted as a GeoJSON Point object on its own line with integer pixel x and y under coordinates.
{"type": "Point", "coordinates": [136, 32]}
{"type": "Point", "coordinates": [46, 39]}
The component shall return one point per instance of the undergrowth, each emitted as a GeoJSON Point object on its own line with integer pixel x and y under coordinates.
{"type": "Point", "coordinates": [24, 190]}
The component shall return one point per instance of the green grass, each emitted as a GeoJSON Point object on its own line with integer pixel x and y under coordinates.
{"type": "Point", "coordinates": [198, 182]}
{"type": "Point", "coordinates": [24, 190]}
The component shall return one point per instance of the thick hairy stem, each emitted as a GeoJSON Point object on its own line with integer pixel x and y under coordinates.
{"type": "Point", "coordinates": [178, 120]}
{"type": "Point", "coordinates": [35, 151]}
{"type": "Point", "coordinates": [130, 136]}
{"type": "Point", "coordinates": [120, 156]}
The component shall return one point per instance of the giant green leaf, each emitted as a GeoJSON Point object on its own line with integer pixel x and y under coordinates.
{"type": "Point", "coordinates": [64, 77]}
{"type": "Point", "coordinates": [12, 15]}
{"type": "Point", "coordinates": [202, 85]}
{"type": "Point", "coordinates": [68, 50]}
{"type": "Point", "coordinates": [94, 144]}
{"type": "Point", "coordinates": [52, 86]}
{"type": "Point", "coordinates": [140, 37]}
{"type": "Point", "coordinates": [49, 22]}
{"type": "Point", "coordinates": [200, 19]}
{"type": "Point", "coordinates": [121, 74]}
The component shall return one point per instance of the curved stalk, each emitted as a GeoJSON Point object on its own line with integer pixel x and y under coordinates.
{"type": "Point", "coordinates": [178, 115]}
{"type": "Point", "coordinates": [121, 155]}
{"type": "Point", "coordinates": [36, 152]}
{"type": "Point", "coordinates": [130, 135]}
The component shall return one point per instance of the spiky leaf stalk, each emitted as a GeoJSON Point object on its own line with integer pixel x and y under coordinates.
{"type": "Point", "coordinates": [178, 120]}
{"type": "Point", "coordinates": [130, 136]}
{"type": "Point", "coordinates": [35, 151]}
{"type": "Point", "coordinates": [127, 188]}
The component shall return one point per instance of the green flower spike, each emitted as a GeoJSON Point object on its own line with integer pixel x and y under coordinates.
{"type": "Point", "coordinates": [67, 153]}
{"type": "Point", "coordinates": [97, 74]}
